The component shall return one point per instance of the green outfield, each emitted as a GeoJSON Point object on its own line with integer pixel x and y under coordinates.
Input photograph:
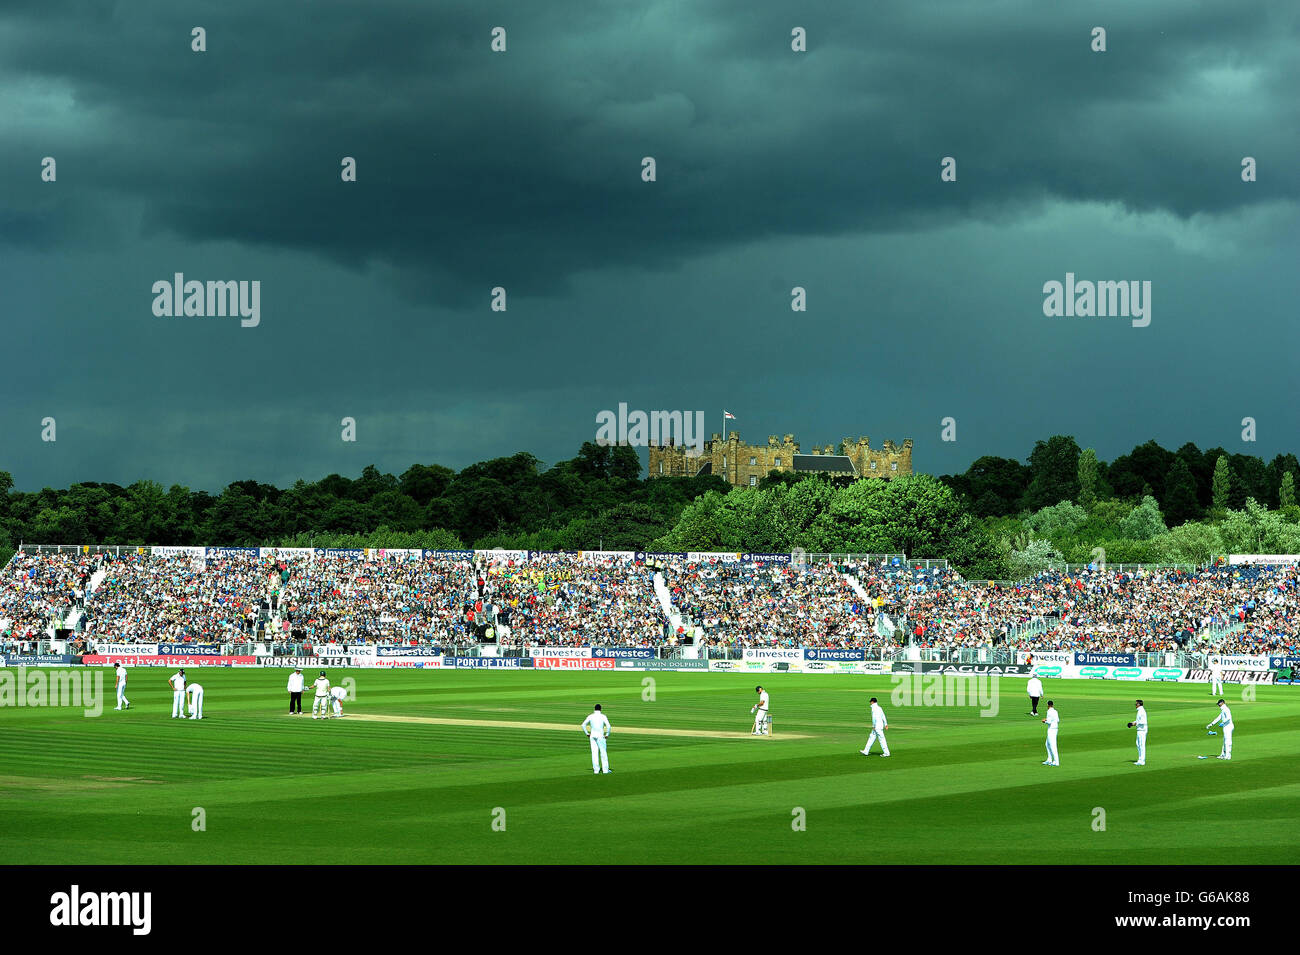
{"type": "Point", "coordinates": [450, 752]}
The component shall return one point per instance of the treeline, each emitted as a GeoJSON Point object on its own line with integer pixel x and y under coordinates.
{"type": "Point", "coordinates": [999, 519]}
{"type": "Point", "coordinates": [596, 499]}
{"type": "Point", "coordinates": [1187, 484]}
{"type": "Point", "coordinates": [1152, 505]}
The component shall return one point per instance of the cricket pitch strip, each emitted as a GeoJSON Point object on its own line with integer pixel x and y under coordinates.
{"type": "Point", "coordinates": [562, 727]}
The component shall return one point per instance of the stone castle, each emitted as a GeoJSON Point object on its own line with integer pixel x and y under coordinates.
{"type": "Point", "coordinates": [747, 464]}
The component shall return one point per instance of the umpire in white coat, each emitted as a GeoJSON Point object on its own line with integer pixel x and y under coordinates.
{"type": "Point", "coordinates": [296, 681]}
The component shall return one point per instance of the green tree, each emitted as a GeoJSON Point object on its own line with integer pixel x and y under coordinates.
{"type": "Point", "coordinates": [1286, 493]}
{"type": "Point", "coordinates": [1221, 485]}
{"type": "Point", "coordinates": [1143, 523]}
{"type": "Point", "coordinates": [1256, 530]}
{"type": "Point", "coordinates": [423, 482]}
{"type": "Point", "coordinates": [697, 527]}
{"type": "Point", "coordinates": [1088, 478]}
{"type": "Point", "coordinates": [1034, 557]}
{"type": "Point", "coordinates": [1180, 504]}
{"type": "Point", "coordinates": [1189, 543]}
{"type": "Point", "coordinates": [1054, 472]}
{"type": "Point", "coordinates": [994, 486]}
{"type": "Point", "coordinates": [1057, 522]}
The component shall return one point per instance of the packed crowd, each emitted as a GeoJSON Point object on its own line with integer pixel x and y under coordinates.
{"type": "Point", "coordinates": [777, 604]}
{"type": "Point", "coordinates": [38, 589]}
{"type": "Point", "coordinates": [1236, 609]}
{"type": "Point", "coordinates": [564, 600]}
{"type": "Point", "coordinates": [575, 600]}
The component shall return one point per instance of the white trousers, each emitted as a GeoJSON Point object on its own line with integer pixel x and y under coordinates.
{"type": "Point", "coordinates": [121, 696]}
{"type": "Point", "coordinates": [599, 757]}
{"type": "Point", "coordinates": [1216, 688]}
{"type": "Point", "coordinates": [1053, 756]}
{"type": "Point", "coordinates": [876, 735]}
{"type": "Point", "coordinates": [1226, 750]}
{"type": "Point", "coordinates": [178, 702]}
{"type": "Point", "coordinates": [338, 707]}
{"type": "Point", "coordinates": [196, 704]}
{"type": "Point", "coordinates": [760, 721]}
{"type": "Point", "coordinates": [320, 704]}
{"type": "Point", "coordinates": [1142, 746]}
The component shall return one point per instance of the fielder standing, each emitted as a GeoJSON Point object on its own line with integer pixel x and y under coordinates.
{"type": "Point", "coordinates": [760, 711]}
{"type": "Point", "coordinates": [1035, 689]}
{"type": "Point", "coordinates": [177, 683]}
{"type": "Point", "coordinates": [195, 693]}
{"type": "Point", "coordinates": [878, 726]}
{"type": "Point", "coordinates": [1224, 719]}
{"type": "Point", "coordinates": [119, 673]}
{"type": "Point", "coordinates": [597, 728]}
{"type": "Point", "coordinates": [1053, 721]}
{"type": "Point", "coordinates": [1216, 678]}
{"type": "Point", "coordinates": [1140, 721]}
{"type": "Point", "coordinates": [322, 700]}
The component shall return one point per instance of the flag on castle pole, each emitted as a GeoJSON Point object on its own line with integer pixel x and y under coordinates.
{"type": "Point", "coordinates": [725, 415]}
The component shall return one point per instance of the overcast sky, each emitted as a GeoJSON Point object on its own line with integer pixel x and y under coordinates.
{"type": "Point", "coordinates": [523, 169]}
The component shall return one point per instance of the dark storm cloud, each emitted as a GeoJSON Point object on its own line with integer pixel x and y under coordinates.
{"type": "Point", "coordinates": [523, 169]}
{"type": "Point", "coordinates": [470, 159]}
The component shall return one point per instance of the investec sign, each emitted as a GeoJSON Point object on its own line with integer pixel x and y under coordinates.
{"type": "Point", "coordinates": [542, 653]}
{"type": "Point", "coordinates": [826, 654]}
{"type": "Point", "coordinates": [774, 654]}
{"type": "Point", "coordinates": [128, 649]}
{"type": "Point", "coordinates": [1241, 661]}
{"type": "Point", "coordinates": [1056, 657]}
{"type": "Point", "coordinates": [413, 652]}
{"type": "Point", "coordinates": [1089, 659]}
{"type": "Point", "coordinates": [189, 649]}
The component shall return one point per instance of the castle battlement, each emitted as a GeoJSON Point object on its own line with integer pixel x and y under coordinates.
{"type": "Point", "coordinates": [744, 464]}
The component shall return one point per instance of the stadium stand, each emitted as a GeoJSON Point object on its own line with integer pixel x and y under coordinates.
{"type": "Point", "coordinates": [563, 599]}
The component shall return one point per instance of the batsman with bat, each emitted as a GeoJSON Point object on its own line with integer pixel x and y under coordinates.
{"type": "Point", "coordinates": [762, 718]}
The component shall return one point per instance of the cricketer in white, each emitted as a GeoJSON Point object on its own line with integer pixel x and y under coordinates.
{"type": "Point", "coordinates": [1216, 678]}
{"type": "Point", "coordinates": [177, 683]}
{"type": "Point", "coordinates": [1140, 721]}
{"type": "Point", "coordinates": [597, 728]}
{"type": "Point", "coordinates": [321, 703]}
{"type": "Point", "coordinates": [1053, 721]}
{"type": "Point", "coordinates": [122, 702]}
{"type": "Point", "coordinates": [1224, 719]}
{"type": "Point", "coordinates": [878, 726]}
{"type": "Point", "coordinates": [761, 713]}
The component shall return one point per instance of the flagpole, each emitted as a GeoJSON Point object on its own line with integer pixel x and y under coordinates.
{"type": "Point", "coordinates": [724, 427]}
